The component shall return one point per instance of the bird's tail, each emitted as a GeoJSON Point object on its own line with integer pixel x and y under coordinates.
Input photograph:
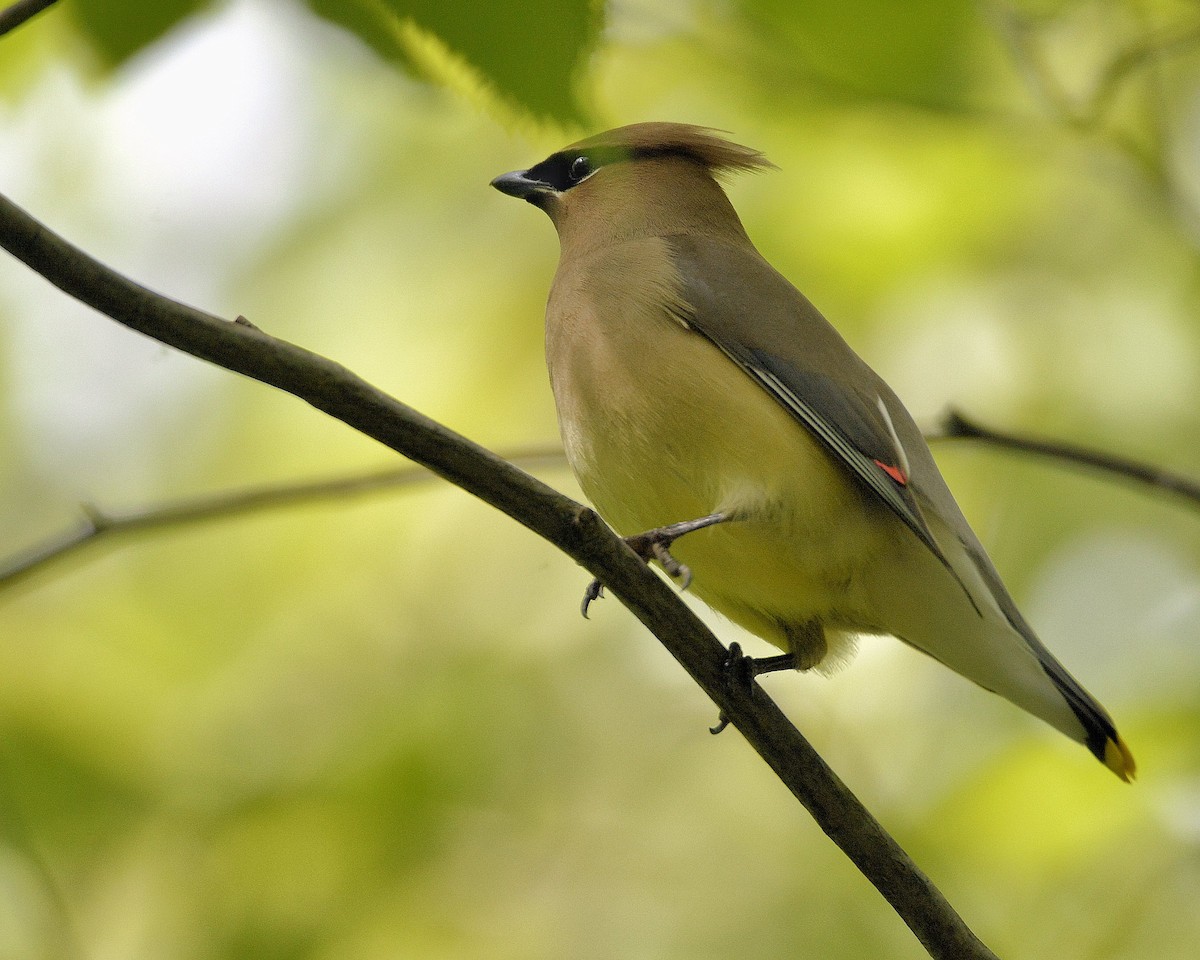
{"type": "Point", "coordinates": [1101, 735]}
{"type": "Point", "coordinates": [989, 642]}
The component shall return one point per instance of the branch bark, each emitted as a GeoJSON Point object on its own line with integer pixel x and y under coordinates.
{"type": "Point", "coordinates": [575, 529]}
{"type": "Point", "coordinates": [956, 426]}
{"type": "Point", "coordinates": [102, 525]}
{"type": "Point", "coordinates": [18, 13]}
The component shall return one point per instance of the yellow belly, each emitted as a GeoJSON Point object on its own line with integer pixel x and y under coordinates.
{"type": "Point", "coordinates": [660, 426]}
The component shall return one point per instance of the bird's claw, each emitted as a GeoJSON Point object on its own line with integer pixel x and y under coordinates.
{"type": "Point", "coordinates": [656, 545]}
{"type": "Point", "coordinates": [737, 667]}
{"type": "Point", "coordinates": [675, 570]}
{"type": "Point", "coordinates": [594, 591]}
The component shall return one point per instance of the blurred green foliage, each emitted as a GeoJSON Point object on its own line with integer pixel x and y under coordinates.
{"type": "Point", "coordinates": [380, 728]}
{"type": "Point", "coordinates": [532, 52]}
{"type": "Point", "coordinates": [919, 52]}
{"type": "Point", "coordinates": [118, 30]}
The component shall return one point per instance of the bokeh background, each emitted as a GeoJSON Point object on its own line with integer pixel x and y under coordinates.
{"type": "Point", "coordinates": [377, 727]}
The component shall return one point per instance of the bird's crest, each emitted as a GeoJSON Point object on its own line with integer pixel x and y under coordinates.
{"type": "Point", "coordinates": [702, 144]}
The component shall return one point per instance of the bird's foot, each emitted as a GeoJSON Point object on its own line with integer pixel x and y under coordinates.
{"type": "Point", "coordinates": [594, 591]}
{"type": "Point", "coordinates": [740, 671]}
{"type": "Point", "coordinates": [722, 723]}
{"type": "Point", "coordinates": [656, 545]}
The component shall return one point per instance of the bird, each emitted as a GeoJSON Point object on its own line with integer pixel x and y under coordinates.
{"type": "Point", "coordinates": [718, 422]}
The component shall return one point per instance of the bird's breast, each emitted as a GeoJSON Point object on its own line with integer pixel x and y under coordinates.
{"type": "Point", "coordinates": [660, 426]}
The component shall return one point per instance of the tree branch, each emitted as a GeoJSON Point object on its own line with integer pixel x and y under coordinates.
{"type": "Point", "coordinates": [575, 529]}
{"type": "Point", "coordinates": [103, 525]}
{"type": "Point", "coordinates": [956, 426]}
{"type": "Point", "coordinates": [18, 13]}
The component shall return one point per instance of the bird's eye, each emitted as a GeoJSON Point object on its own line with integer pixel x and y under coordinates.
{"type": "Point", "coordinates": [580, 168]}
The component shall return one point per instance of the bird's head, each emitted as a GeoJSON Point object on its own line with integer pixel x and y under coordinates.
{"type": "Point", "coordinates": [639, 176]}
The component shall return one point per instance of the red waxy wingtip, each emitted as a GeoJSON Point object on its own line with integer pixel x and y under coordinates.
{"type": "Point", "coordinates": [894, 472]}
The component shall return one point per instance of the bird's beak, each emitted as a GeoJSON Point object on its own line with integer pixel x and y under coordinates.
{"type": "Point", "coordinates": [521, 185]}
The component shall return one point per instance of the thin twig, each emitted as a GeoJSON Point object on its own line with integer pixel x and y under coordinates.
{"type": "Point", "coordinates": [955, 426]}
{"type": "Point", "coordinates": [1015, 29]}
{"type": "Point", "coordinates": [578, 531]}
{"type": "Point", "coordinates": [18, 13]}
{"type": "Point", "coordinates": [104, 525]}
{"type": "Point", "coordinates": [1137, 56]}
{"type": "Point", "coordinates": [1018, 31]}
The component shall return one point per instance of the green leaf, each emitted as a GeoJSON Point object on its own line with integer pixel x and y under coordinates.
{"type": "Point", "coordinates": [917, 51]}
{"type": "Point", "coordinates": [118, 29]}
{"type": "Point", "coordinates": [368, 20]}
{"type": "Point", "coordinates": [532, 53]}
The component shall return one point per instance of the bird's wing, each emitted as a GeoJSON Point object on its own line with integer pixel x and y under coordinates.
{"type": "Point", "coordinates": [785, 345]}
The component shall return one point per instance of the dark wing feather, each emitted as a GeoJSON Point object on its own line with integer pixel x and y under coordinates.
{"type": "Point", "coordinates": [853, 429]}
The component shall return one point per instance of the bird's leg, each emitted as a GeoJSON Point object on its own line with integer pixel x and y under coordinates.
{"type": "Point", "coordinates": [741, 670]}
{"type": "Point", "coordinates": [656, 545]}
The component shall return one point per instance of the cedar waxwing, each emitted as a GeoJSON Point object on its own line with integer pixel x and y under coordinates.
{"type": "Point", "coordinates": [701, 397]}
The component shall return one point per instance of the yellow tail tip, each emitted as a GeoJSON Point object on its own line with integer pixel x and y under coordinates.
{"type": "Point", "coordinates": [1119, 760]}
